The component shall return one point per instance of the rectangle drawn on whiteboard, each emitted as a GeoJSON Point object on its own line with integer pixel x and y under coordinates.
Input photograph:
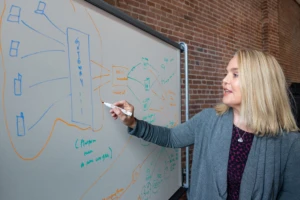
{"type": "Point", "coordinates": [20, 124]}
{"type": "Point", "coordinates": [80, 76]}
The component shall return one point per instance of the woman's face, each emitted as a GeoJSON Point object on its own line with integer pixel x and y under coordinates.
{"type": "Point", "coordinates": [231, 85]}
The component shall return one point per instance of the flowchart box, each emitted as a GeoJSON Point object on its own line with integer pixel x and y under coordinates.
{"type": "Point", "coordinates": [120, 75]}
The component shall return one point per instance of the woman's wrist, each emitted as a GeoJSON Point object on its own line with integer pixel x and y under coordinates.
{"type": "Point", "coordinates": [133, 124]}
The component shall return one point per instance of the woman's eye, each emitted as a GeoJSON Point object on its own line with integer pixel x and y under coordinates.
{"type": "Point", "coordinates": [235, 75]}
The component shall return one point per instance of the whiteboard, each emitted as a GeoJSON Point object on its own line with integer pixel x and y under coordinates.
{"type": "Point", "coordinates": [59, 60]}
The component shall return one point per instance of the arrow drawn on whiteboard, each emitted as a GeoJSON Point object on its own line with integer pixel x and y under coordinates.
{"type": "Point", "coordinates": [101, 76]}
{"type": "Point", "coordinates": [54, 24]}
{"type": "Point", "coordinates": [99, 65]}
{"type": "Point", "coordinates": [43, 115]}
{"type": "Point", "coordinates": [41, 11]}
{"type": "Point", "coordinates": [50, 80]}
{"type": "Point", "coordinates": [40, 52]}
{"type": "Point", "coordinates": [97, 88]}
{"type": "Point", "coordinates": [28, 26]}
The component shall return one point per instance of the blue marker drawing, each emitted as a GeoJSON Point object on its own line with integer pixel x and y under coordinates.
{"type": "Point", "coordinates": [20, 125]}
{"type": "Point", "coordinates": [133, 68]}
{"type": "Point", "coordinates": [14, 48]}
{"type": "Point", "coordinates": [50, 80]}
{"type": "Point", "coordinates": [54, 24]}
{"type": "Point", "coordinates": [18, 85]}
{"type": "Point", "coordinates": [81, 123]}
{"type": "Point", "coordinates": [135, 80]}
{"type": "Point", "coordinates": [80, 77]}
{"type": "Point", "coordinates": [43, 115]}
{"type": "Point", "coordinates": [145, 61]}
{"type": "Point", "coordinates": [39, 52]}
{"type": "Point", "coordinates": [14, 14]}
{"type": "Point", "coordinates": [153, 82]}
{"type": "Point", "coordinates": [134, 94]}
{"type": "Point", "coordinates": [147, 84]}
{"type": "Point", "coordinates": [41, 11]}
{"type": "Point", "coordinates": [41, 33]}
{"type": "Point", "coordinates": [41, 8]}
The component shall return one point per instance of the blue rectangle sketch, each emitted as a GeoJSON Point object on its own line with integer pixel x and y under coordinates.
{"type": "Point", "coordinates": [80, 77]}
{"type": "Point", "coordinates": [18, 85]}
{"type": "Point", "coordinates": [20, 125]}
{"type": "Point", "coordinates": [41, 8]}
{"type": "Point", "coordinates": [14, 14]}
{"type": "Point", "coordinates": [14, 48]}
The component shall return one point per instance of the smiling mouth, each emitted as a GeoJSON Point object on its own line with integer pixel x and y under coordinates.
{"type": "Point", "coordinates": [227, 91]}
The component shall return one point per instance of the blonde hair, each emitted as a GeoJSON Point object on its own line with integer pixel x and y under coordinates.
{"type": "Point", "coordinates": [265, 103]}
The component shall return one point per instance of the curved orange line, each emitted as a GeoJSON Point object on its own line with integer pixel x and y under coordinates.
{"type": "Point", "coordinates": [72, 3]}
{"type": "Point", "coordinates": [3, 103]}
{"type": "Point", "coordinates": [110, 166]}
{"type": "Point", "coordinates": [99, 65]}
{"type": "Point", "coordinates": [140, 167]}
{"type": "Point", "coordinates": [95, 27]}
{"type": "Point", "coordinates": [2, 13]}
{"type": "Point", "coordinates": [97, 88]}
{"type": "Point", "coordinates": [4, 109]}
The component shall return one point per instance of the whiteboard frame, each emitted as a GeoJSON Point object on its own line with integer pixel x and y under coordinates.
{"type": "Point", "coordinates": [180, 46]}
{"type": "Point", "coordinates": [123, 16]}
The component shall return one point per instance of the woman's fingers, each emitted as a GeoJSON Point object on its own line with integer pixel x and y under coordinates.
{"type": "Point", "coordinates": [117, 113]}
{"type": "Point", "coordinates": [113, 114]}
{"type": "Point", "coordinates": [125, 105]}
{"type": "Point", "coordinates": [120, 103]}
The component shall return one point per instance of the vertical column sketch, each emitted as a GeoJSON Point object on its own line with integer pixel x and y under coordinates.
{"type": "Point", "coordinates": [18, 85]}
{"type": "Point", "coordinates": [20, 124]}
{"type": "Point", "coordinates": [80, 77]}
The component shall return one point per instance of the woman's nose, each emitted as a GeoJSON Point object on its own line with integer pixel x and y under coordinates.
{"type": "Point", "coordinates": [225, 80]}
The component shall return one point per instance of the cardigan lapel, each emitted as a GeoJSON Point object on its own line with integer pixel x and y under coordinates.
{"type": "Point", "coordinates": [260, 170]}
{"type": "Point", "coordinates": [221, 140]}
{"type": "Point", "coordinates": [250, 171]}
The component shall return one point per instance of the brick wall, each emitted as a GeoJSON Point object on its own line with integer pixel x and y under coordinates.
{"type": "Point", "coordinates": [214, 30]}
{"type": "Point", "coordinates": [269, 21]}
{"type": "Point", "coordinates": [289, 43]}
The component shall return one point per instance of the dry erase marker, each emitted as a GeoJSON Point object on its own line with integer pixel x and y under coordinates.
{"type": "Point", "coordinates": [123, 110]}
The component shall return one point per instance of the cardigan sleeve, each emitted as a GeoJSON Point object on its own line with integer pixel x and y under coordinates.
{"type": "Point", "coordinates": [180, 136]}
{"type": "Point", "coordinates": [291, 180]}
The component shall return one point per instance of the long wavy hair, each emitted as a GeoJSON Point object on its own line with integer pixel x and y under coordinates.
{"type": "Point", "coordinates": [265, 105]}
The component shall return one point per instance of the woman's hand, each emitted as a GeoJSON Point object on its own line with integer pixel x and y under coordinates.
{"type": "Point", "coordinates": [117, 113]}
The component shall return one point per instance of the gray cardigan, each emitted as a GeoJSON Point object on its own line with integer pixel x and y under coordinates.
{"type": "Point", "coordinates": [272, 170]}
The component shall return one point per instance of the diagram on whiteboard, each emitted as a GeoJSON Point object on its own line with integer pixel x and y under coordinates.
{"type": "Point", "coordinates": [58, 64]}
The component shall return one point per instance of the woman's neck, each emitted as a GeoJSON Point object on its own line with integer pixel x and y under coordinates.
{"type": "Point", "coordinates": [239, 121]}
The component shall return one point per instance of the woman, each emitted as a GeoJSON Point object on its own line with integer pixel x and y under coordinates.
{"type": "Point", "coordinates": [245, 148]}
